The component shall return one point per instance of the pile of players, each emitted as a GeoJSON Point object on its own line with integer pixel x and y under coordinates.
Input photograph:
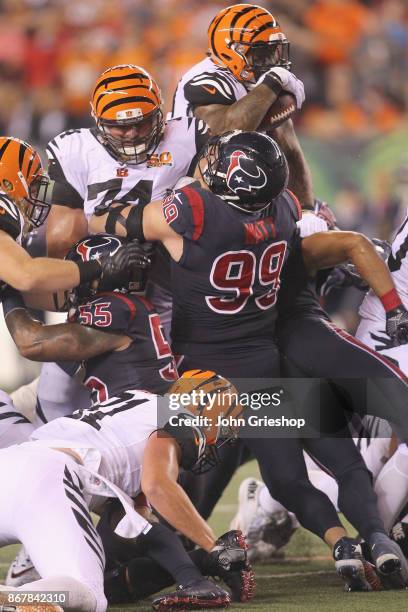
{"type": "Point", "coordinates": [203, 230]}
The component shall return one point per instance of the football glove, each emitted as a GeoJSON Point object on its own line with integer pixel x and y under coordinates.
{"type": "Point", "coordinates": [288, 82]}
{"type": "Point", "coordinates": [119, 268]}
{"type": "Point", "coordinates": [228, 560]}
{"type": "Point", "coordinates": [396, 325]}
{"type": "Point", "coordinates": [341, 277]}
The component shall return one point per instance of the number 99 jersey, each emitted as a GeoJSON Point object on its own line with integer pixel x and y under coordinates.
{"type": "Point", "coordinates": [226, 283]}
{"type": "Point", "coordinates": [88, 177]}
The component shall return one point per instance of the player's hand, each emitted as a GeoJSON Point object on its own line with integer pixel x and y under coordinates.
{"type": "Point", "coordinates": [323, 210]}
{"type": "Point", "coordinates": [397, 325]}
{"type": "Point", "coordinates": [288, 81]}
{"type": "Point", "coordinates": [311, 224]}
{"type": "Point", "coordinates": [229, 551]}
{"type": "Point", "coordinates": [118, 269]}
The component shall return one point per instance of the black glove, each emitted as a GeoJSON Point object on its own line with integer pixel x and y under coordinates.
{"type": "Point", "coordinates": [341, 277]}
{"type": "Point", "coordinates": [123, 267]}
{"type": "Point", "coordinates": [229, 552]}
{"type": "Point", "coordinates": [397, 325]}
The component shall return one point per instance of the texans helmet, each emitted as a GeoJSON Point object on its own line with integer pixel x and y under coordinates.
{"type": "Point", "coordinates": [246, 169]}
{"type": "Point", "coordinates": [99, 247]}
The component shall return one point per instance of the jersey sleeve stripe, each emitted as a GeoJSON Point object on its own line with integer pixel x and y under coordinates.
{"type": "Point", "coordinates": [297, 203]}
{"type": "Point", "coordinates": [197, 209]}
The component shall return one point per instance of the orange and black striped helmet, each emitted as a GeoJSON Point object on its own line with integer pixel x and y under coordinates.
{"type": "Point", "coordinates": [213, 397]}
{"type": "Point", "coordinates": [247, 40]}
{"type": "Point", "coordinates": [22, 178]}
{"type": "Point", "coordinates": [126, 105]}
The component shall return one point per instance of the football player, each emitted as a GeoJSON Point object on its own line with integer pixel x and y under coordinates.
{"type": "Point", "coordinates": [23, 194]}
{"type": "Point", "coordinates": [229, 238]}
{"type": "Point", "coordinates": [115, 449]}
{"type": "Point", "coordinates": [120, 339]}
{"type": "Point", "coordinates": [391, 484]}
{"type": "Point", "coordinates": [246, 69]}
{"type": "Point", "coordinates": [131, 155]}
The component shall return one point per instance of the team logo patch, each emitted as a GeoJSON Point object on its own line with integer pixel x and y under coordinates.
{"type": "Point", "coordinates": [122, 172]}
{"type": "Point", "coordinates": [243, 174]}
{"type": "Point", "coordinates": [157, 160]}
{"type": "Point", "coordinates": [92, 251]}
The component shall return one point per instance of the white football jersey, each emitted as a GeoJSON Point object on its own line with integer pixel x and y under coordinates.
{"type": "Point", "coordinates": [371, 307]}
{"type": "Point", "coordinates": [118, 428]}
{"type": "Point", "coordinates": [86, 175]}
{"type": "Point", "coordinates": [205, 83]}
{"type": "Point", "coordinates": [14, 426]}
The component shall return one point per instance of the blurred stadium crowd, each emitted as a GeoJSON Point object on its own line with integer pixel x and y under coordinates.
{"type": "Point", "coordinates": [351, 54]}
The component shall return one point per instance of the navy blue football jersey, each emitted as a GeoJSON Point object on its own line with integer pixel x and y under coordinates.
{"type": "Point", "coordinates": [226, 284]}
{"type": "Point", "coordinates": [146, 364]}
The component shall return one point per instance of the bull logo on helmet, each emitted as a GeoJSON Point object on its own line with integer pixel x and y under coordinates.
{"type": "Point", "coordinates": [243, 174]}
{"type": "Point", "coordinates": [91, 248]}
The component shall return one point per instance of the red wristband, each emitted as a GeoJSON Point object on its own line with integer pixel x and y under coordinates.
{"type": "Point", "coordinates": [390, 300]}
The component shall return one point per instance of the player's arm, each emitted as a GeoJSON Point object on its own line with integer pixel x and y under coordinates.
{"type": "Point", "coordinates": [65, 226]}
{"type": "Point", "coordinates": [133, 222]}
{"type": "Point", "coordinates": [247, 112]}
{"type": "Point", "coordinates": [300, 176]}
{"type": "Point", "coordinates": [161, 461]}
{"type": "Point", "coordinates": [244, 114]}
{"type": "Point", "coordinates": [26, 273]}
{"type": "Point", "coordinates": [328, 249]}
{"type": "Point", "coordinates": [61, 342]}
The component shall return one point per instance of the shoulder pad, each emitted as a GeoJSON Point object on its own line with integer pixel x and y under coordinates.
{"type": "Point", "coordinates": [294, 204]}
{"type": "Point", "coordinates": [108, 311]}
{"type": "Point", "coordinates": [184, 211]}
{"type": "Point", "coordinates": [209, 88]}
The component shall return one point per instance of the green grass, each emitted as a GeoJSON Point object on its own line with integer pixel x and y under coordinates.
{"type": "Point", "coordinates": [304, 582]}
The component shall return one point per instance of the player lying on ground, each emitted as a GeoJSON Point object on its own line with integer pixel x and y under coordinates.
{"type": "Point", "coordinates": [187, 222]}
{"type": "Point", "coordinates": [114, 449]}
{"type": "Point", "coordinates": [23, 195]}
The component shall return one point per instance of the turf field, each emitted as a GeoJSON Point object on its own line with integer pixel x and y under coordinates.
{"type": "Point", "coordinates": [303, 582]}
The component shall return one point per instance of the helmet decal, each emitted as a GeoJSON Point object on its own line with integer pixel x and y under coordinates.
{"type": "Point", "coordinates": [239, 176]}
{"type": "Point", "coordinates": [88, 250]}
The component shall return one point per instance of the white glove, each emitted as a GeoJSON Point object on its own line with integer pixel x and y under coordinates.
{"type": "Point", "coordinates": [289, 82]}
{"type": "Point", "coordinates": [311, 224]}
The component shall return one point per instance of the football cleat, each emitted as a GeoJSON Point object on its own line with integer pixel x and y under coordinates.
{"type": "Point", "coordinates": [390, 563]}
{"type": "Point", "coordinates": [349, 565]}
{"type": "Point", "coordinates": [248, 507]}
{"type": "Point", "coordinates": [21, 570]}
{"type": "Point", "coordinates": [228, 560]}
{"type": "Point", "coordinates": [264, 533]}
{"type": "Point", "coordinates": [195, 596]}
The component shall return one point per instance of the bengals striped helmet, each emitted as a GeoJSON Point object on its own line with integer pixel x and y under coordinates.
{"type": "Point", "coordinates": [212, 398]}
{"type": "Point", "coordinates": [23, 179]}
{"type": "Point", "coordinates": [126, 105]}
{"type": "Point", "coordinates": [247, 40]}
